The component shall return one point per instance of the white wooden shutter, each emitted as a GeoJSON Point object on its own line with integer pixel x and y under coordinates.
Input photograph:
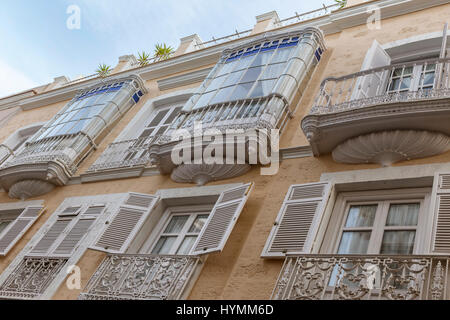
{"type": "Point", "coordinates": [18, 227]}
{"type": "Point", "coordinates": [50, 237]}
{"type": "Point", "coordinates": [441, 201]}
{"type": "Point", "coordinates": [126, 223]}
{"type": "Point", "coordinates": [222, 219]}
{"type": "Point", "coordinates": [70, 211]}
{"type": "Point", "coordinates": [298, 220]}
{"type": "Point", "coordinates": [367, 86]}
{"type": "Point", "coordinates": [74, 236]}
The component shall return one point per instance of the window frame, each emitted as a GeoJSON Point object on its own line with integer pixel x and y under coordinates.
{"type": "Point", "coordinates": [170, 211]}
{"type": "Point", "coordinates": [379, 225]}
{"type": "Point", "coordinates": [332, 237]}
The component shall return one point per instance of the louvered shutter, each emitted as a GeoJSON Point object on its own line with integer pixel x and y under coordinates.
{"type": "Point", "coordinates": [50, 237]}
{"type": "Point", "coordinates": [441, 199]}
{"type": "Point", "coordinates": [368, 85]}
{"type": "Point", "coordinates": [126, 223]}
{"type": "Point", "coordinates": [222, 219]}
{"type": "Point", "coordinates": [74, 236]}
{"type": "Point", "coordinates": [18, 227]}
{"type": "Point", "coordinates": [298, 220]}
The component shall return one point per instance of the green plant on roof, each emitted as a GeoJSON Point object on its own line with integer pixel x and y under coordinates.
{"type": "Point", "coordinates": [341, 3]}
{"type": "Point", "coordinates": [103, 70]}
{"type": "Point", "coordinates": [163, 52]}
{"type": "Point", "coordinates": [143, 58]}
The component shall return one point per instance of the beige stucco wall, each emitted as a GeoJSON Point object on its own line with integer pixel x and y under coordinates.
{"type": "Point", "coordinates": [238, 272]}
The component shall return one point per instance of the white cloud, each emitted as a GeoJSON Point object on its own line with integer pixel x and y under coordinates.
{"type": "Point", "coordinates": [13, 80]}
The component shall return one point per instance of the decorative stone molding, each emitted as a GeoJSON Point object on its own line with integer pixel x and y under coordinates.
{"type": "Point", "coordinates": [388, 147]}
{"type": "Point", "coordinates": [204, 173]}
{"type": "Point", "coordinates": [30, 188]}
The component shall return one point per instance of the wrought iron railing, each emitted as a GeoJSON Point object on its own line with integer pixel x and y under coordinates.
{"type": "Point", "coordinates": [357, 277]}
{"type": "Point", "coordinates": [31, 277]}
{"type": "Point", "coordinates": [417, 80]}
{"type": "Point", "coordinates": [311, 14]}
{"type": "Point", "coordinates": [242, 114]}
{"type": "Point", "coordinates": [140, 277]}
{"type": "Point", "coordinates": [123, 154]}
{"type": "Point", "coordinates": [324, 10]}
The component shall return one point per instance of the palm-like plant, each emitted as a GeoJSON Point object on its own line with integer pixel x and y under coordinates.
{"type": "Point", "coordinates": [163, 52]}
{"type": "Point", "coordinates": [103, 70]}
{"type": "Point", "coordinates": [341, 3]}
{"type": "Point", "coordinates": [143, 58]}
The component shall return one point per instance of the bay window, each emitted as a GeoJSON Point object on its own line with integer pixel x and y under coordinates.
{"type": "Point", "coordinates": [53, 154]}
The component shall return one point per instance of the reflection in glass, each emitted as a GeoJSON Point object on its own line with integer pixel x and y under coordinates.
{"type": "Point", "coordinates": [164, 245]}
{"type": "Point", "coordinates": [198, 223]}
{"type": "Point", "coordinates": [398, 242]}
{"type": "Point", "coordinates": [176, 224]}
{"type": "Point", "coordinates": [355, 242]}
{"type": "Point", "coordinates": [406, 214]}
{"type": "Point", "coordinates": [361, 216]}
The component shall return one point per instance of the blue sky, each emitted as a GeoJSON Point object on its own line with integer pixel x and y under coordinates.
{"type": "Point", "coordinates": [37, 46]}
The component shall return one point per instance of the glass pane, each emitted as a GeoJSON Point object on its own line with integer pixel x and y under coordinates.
{"type": "Point", "coordinates": [164, 245]}
{"type": "Point", "coordinates": [244, 62]}
{"type": "Point", "coordinates": [233, 78]}
{"type": "Point", "coordinates": [354, 242]}
{"type": "Point", "coordinates": [216, 83]}
{"type": "Point", "coordinates": [222, 95]}
{"type": "Point", "coordinates": [227, 67]}
{"type": "Point", "coordinates": [394, 85]}
{"type": "Point", "coordinates": [361, 216]}
{"type": "Point", "coordinates": [398, 242]}
{"type": "Point", "coordinates": [405, 214]}
{"type": "Point", "coordinates": [186, 245]}
{"type": "Point", "coordinates": [397, 72]}
{"type": "Point", "coordinates": [172, 116]}
{"type": "Point", "coordinates": [262, 58]}
{"type": "Point", "coordinates": [251, 74]}
{"type": "Point", "coordinates": [273, 71]}
{"type": "Point", "coordinates": [428, 79]}
{"type": "Point", "coordinates": [176, 224]}
{"type": "Point", "coordinates": [408, 71]}
{"type": "Point", "coordinates": [198, 224]}
{"type": "Point", "coordinates": [262, 88]}
{"type": "Point", "coordinates": [406, 83]}
{"type": "Point", "coordinates": [282, 55]}
{"type": "Point", "coordinates": [158, 118]}
{"type": "Point", "coordinates": [204, 99]}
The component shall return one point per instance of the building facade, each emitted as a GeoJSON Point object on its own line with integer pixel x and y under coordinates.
{"type": "Point", "coordinates": [353, 204]}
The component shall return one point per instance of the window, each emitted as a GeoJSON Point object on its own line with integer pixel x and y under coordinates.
{"type": "Point", "coordinates": [90, 109]}
{"type": "Point", "coordinates": [391, 222]}
{"type": "Point", "coordinates": [412, 78]}
{"type": "Point", "coordinates": [387, 227]}
{"type": "Point", "coordinates": [180, 233]}
{"type": "Point", "coordinates": [253, 71]}
{"type": "Point", "coordinates": [16, 142]}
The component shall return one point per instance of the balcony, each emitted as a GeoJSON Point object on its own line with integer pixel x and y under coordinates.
{"type": "Point", "coordinates": [123, 154]}
{"type": "Point", "coordinates": [383, 115]}
{"type": "Point", "coordinates": [141, 277]}
{"type": "Point", "coordinates": [249, 92]}
{"type": "Point", "coordinates": [31, 277]}
{"type": "Point", "coordinates": [356, 277]}
{"type": "Point", "coordinates": [52, 155]}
